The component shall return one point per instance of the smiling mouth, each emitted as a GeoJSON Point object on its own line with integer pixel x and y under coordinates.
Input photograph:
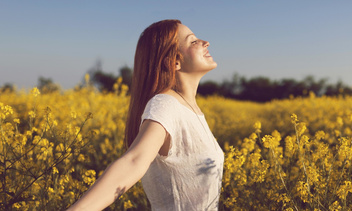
{"type": "Point", "coordinates": [207, 54]}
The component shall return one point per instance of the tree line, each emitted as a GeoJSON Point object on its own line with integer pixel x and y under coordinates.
{"type": "Point", "coordinates": [263, 89]}
{"type": "Point", "coordinates": [257, 89]}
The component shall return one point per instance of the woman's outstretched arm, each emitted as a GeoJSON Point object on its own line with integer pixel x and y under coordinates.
{"type": "Point", "coordinates": [123, 173]}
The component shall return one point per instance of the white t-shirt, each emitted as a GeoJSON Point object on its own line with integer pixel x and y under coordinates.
{"type": "Point", "coordinates": [189, 177]}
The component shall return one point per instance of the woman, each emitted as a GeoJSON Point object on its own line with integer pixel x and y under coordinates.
{"type": "Point", "coordinates": [170, 146]}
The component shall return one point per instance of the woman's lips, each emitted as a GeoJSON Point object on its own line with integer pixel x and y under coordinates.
{"type": "Point", "coordinates": [207, 54]}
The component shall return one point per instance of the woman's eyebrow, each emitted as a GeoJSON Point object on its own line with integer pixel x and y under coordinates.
{"type": "Point", "coordinates": [189, 35]}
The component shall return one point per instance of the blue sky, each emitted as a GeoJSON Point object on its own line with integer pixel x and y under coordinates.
{"type": "Point", "coordinates": [63, 39]}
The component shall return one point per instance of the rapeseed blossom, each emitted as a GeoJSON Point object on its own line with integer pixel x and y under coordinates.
{"type": "Point", "coordinates": [290, 154]}
{"type": "Point", "coordinates": [35, 92]}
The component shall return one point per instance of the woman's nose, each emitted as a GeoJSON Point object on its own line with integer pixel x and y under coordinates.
{"type": "Point", "coordinates": [206, 43]}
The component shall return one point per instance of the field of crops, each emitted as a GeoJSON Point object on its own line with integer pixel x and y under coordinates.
{"type": "Point", "coordinates": [291, 154]}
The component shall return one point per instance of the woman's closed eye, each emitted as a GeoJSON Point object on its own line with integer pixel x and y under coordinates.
{"type": "Point", "coordinates": [194, 42]}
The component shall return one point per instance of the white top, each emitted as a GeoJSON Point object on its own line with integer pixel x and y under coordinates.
{"type": "Point", "coordinates": [189, 177]}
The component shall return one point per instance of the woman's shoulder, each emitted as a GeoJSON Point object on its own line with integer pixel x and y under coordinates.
{"type": "Point", "coordinates": [162, 108]}
{"type": "Point", "coordinates": [161, 100]}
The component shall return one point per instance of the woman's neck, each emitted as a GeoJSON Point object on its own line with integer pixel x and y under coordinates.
{"type": "Point", "coordinates": [187, 85]}
{"type": "Point", "coordinates": [186, 88]}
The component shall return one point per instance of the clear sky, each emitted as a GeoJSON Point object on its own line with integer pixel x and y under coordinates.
{"type": "Point", "coordinates": [63, 39]}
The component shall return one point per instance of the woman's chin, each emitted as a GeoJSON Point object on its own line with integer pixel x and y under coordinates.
{"type": "Point", "coordinates": [214, 65]}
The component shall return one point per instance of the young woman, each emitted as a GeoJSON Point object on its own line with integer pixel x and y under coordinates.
{"type": "Point", "coordinates": [170, 146]}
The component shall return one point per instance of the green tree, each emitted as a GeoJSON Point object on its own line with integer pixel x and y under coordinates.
{"type": "Point", "coordinates": [46, 85]}
{"type": "Point", "coordinates": [105, 81]}
{"type": "Point", "coordinates": [208, 88]}
{"type": "Point", "coordinates": [7, 88]}
{"type": "Point", "coordinates": [126, 74]}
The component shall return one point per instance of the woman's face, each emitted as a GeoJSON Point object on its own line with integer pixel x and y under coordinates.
{"type": "Point", "coordinates": [196, 57]}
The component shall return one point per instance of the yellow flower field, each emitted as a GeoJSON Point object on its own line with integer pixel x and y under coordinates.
{"type": "Point", "coordinates": [291, 154]}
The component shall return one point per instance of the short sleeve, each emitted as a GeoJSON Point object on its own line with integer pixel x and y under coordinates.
{"type": "Point", "coordinates": [162, 109]}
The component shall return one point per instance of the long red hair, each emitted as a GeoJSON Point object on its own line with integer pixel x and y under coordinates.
{"type": "Point", "coordinates": [154, 70]}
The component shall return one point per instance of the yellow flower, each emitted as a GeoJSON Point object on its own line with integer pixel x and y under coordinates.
{"type": "Point", "coordinates": [5, 111]}
{"type": "Point", "coordinates": [301, 128]}
{"type": "Point", "coordinates": [226, 146]}
{"type": "Point", "coordinates": [335, 206]}
{"type": "Point", "coordinates": [55, 170]}
{"type": "Point", "coordinates": [17, 205]}
{"type": "Point", "coordinates": [8, 110]}
{"type": "Point", "coordinates": [319, 135]}
{"type": "Point", "coordinates": [31, 114]}
{"type": "Point", "coordinates": [258, 127]}
{"type": "Point", "coordinates": [81, 158]}
{"type": "Point", "coordinates": [119, 80]}
{"type": "Point", "coordinates": [302, 189]}
{"type": "Point", "coordinates": [344, 190]}
{"type": "Point", "coordinates": [86, 78]}
{"type": "Point", "coordinates": [267, 141]}
{"type": "Point", "coordinates": [35, 92]}
{"type": "Point", "coordinates": [115, 87]}
{"type": "Point", "coordinates": [50, 190]}
{"type": "Point", "coordinates": [290, 146]}
{"type": "Point", "coordinates": [36, 140]}
{"type": "Point", "coordinates": [339, 121]}
{"type": "Point", "coordinates": [127, 205]}
{"type": "Point", "coordinates": [71, 170]}
{"type": "Point", "coordinates": [294, 118]}
{"type": "Point", "coordinates": [89, 177]}
{"type": "Point", "coordinates": [73, 114]}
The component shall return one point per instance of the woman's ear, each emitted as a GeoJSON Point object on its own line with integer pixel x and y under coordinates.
{"type": "Point", "coordinates": [167, 63]}
{"type": "Point", "coordinates": [178, 65]}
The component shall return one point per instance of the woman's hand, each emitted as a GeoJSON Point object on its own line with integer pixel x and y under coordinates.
{"type": "Point", "coordinates": [123, 173]}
